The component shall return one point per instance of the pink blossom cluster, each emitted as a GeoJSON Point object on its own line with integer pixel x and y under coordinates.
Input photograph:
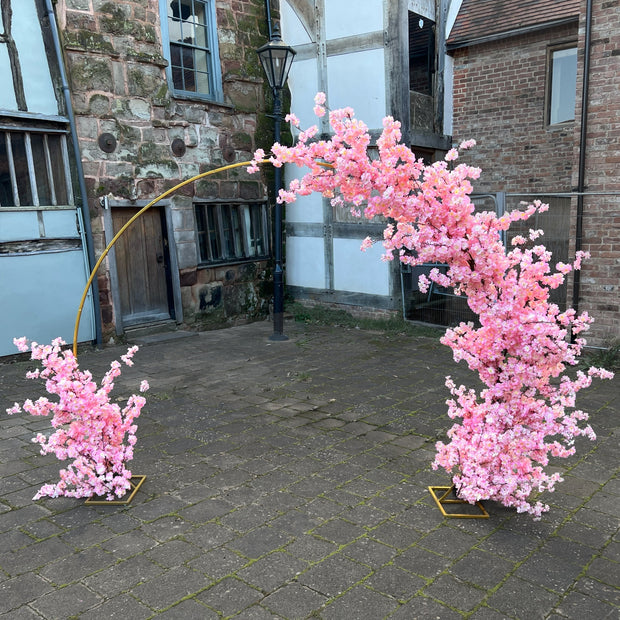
{"type": "Point", "coordinates": [96, 434]}
{"type": "Point", "coordinates": [526, 413]}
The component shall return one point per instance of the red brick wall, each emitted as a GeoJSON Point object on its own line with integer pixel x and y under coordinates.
{"type": "Point", "coordinates": [600, 279]}
{"type": "Point", "coordinates": [499, 99]}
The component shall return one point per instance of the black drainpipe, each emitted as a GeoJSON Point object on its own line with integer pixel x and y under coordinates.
{"type": "Point", "coordinates": [582, 150]}
{"type": "Point", "coordinates": [268, 11]}
{"type": "Point", "coordinates": [78, 162]}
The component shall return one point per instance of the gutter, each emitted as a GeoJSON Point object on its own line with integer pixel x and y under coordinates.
{"type": "Point", "coordinates": [78, 162]}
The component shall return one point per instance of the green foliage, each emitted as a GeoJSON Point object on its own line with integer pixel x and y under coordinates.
{"type": "Point", "coordinates": [321, 315]}
{"type": "Point", "coordinates": [608, 357]}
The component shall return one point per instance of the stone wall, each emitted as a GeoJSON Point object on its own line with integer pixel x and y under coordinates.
{"type": "Point", "coordinates": [119, 90]}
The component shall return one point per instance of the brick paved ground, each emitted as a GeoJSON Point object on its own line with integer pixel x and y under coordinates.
{"type": "Point", "coordinates": [289, 480]}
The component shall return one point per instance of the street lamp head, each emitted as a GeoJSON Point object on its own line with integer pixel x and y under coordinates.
{"type": "Point", "coordinates": [276, 58]}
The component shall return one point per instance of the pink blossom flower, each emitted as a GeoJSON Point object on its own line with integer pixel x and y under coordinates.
{"type": "Point", "coordinates": [90, 429]}
{"type": "Point", "coordinates": [504, 434]}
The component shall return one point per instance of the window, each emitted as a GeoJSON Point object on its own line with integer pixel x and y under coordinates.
{"type": "Point", "coordinates": [562, 85]}
{"type": "Point", "coordinates": [230, 232]}
{"type": "Point", "coordinates": [34, 168]}
{"type": "Point", "coordinates": [190, 46]}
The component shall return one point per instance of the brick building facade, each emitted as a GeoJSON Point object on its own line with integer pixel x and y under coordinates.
{"type": "Point", "coordinates": [503, 92]}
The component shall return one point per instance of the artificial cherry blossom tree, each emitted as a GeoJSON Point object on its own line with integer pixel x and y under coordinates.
{"type": "Point", "coordinates": [522, 347]}
{"type": "Point", "coordinates": [95, 434]}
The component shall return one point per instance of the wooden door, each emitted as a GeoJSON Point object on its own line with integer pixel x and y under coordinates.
{"type": "Point", "coordinates": [142, 267]}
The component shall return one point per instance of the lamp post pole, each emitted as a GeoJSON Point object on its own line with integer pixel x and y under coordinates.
{"type": "Point", "coordinates": [278, 275]}
{"type": "Point", "coordinates": [277, 58]}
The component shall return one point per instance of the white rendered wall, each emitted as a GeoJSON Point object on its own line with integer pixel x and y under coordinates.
{"type": "Point", "coordinates": [305, 262]}
{"type": "Point", "coordinates": [351, 77]}
{"type": "Point", "coordinates": [293, 31]}
{"type": "Point", "coordinates": [305, 208]}
{"type": "Point", "coordinates": [344, 18]}
{"type": "Point", "coordinates": [360, 272]}
{"type": "Point", "coordinates": [303, 82]}
{"type": "Point", "coordinates": [358, 80]}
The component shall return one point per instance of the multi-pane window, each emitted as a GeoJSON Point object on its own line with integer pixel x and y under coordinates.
{"type": "Point", "coordinates": [34, 168]}
{"type": "Point", "coordinates": [562, 85]}
{"type": "Point", "coordinates": [229, 232]}
{"type": "Point", "coordinates": [189, 26]}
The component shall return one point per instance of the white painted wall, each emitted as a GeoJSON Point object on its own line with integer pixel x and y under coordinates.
{"type": "Point", "coordinates": [293, 31]}
{"type": "Point", "coordinates": [305, 208]}
{"type": "Point", "coordinates": [305, 262]}
{"type": "Point", "coordinates": [344, 18]}
{"type": "Point", "coordinates": [358, 80]}
{"type": "Point", "coordinates": [303, 82]}
{"type": "Point", "coordinates": [357, 271]}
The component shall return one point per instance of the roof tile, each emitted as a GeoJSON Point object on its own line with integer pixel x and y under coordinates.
{"type": "Point", "coordinates": [482, 18]}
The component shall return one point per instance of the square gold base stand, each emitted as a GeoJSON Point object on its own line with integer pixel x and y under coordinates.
{"type": "Point", "coordinates": [442, 500]}
{"type": "Point", "coordinates": [135, 482]}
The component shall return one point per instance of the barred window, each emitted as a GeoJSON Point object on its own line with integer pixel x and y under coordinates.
{"type": "Point", "coordinates": [230, 232]}
{"type": "Point", "coordinates": [191, 50]}
{"type": "Point", "coordinates": [34, 167]}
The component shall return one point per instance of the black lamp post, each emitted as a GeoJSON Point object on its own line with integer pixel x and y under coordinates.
{"type": "Point", "coordinates": [277, 58]}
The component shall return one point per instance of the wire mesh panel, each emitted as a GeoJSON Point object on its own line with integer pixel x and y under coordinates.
{"type": "Point", "coordinates": [441, 306]}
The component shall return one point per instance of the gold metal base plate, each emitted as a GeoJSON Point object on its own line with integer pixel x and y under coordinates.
{"type": "Point", "coordinates": [135, 482]}
{"type": "Point", "coordinates": [443, 500]}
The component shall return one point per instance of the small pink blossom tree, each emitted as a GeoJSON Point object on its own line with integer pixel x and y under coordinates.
{"type": "Point", "coordinates": [96, 434]}
{"type": "Point", "coordinates": [522, 348]}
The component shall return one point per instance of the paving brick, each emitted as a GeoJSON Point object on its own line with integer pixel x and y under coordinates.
{"type": "Point", "coordinates": [122, 576]}
{"type": "Point", "coordinates": [21, 590]}
{"type": "Point", "coordinates": [482, 569]}
{"type": "Point", "coordinates": [294, 601]}
{"type": "Point", "coordinates": [120, 608]}
{"type": "Point", "coordinates": [66, 602]}
{"type": "Point", "coordinates": [578, 605]}
{"type": "Point", "coordinates": [334, 575]}
{"type": "Point", "coordinates": [271, 571]}
{"type": "Point", "coordinates": [395, 582]}
{"type": "Point", "coordinates": [423, 608]}
{"type": "Point", "coordinates": [360, 602]}
{"type": "Point", "coordinates": [229, 596]}
{"type": "Point", "coordinates": [170, 587]}
{"type": "Point", "coordinates": [522, 599]}
{"type": "Point", "coordinates": [454, 593]}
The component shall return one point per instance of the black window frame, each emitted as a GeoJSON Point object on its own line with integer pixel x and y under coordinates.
{"type": "Point", "coordinates": [232, 231]}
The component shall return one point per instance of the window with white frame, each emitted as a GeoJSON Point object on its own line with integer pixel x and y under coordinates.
{"type": "Point", "coordinates": [562, 84]}
{"type": "Point", "coordinates": [232, 231]}
{"type": "Point", "coordinates": [190, 46]}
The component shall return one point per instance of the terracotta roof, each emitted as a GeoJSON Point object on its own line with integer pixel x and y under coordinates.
{"type": "Point", "coordinates": [481, 19]}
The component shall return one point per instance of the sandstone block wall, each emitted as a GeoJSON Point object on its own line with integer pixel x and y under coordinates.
{"type": "Point", "coordinates": [118, 83]}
